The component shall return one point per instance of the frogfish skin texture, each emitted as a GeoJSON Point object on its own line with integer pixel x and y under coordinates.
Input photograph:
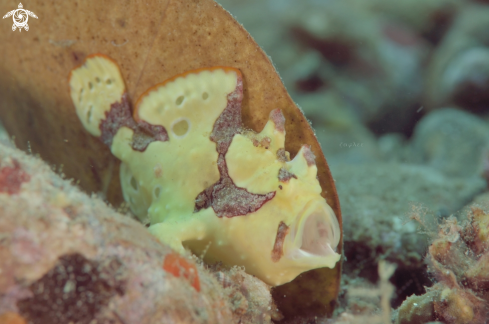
{"type": "Point", "coordinates": [203, 181]}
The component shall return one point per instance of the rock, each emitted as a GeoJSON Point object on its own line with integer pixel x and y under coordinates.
{"type": "Point", "coordinates": [380, 203]}
{"type": "Point", "coordinates": [66, 257]}
{"type": "Point", "coordinates": [458, 73]}
{"type": "Point", "coordinates": [392, 147]}
{"type": "Point", "coordinates": [418, 309]}
{"type": "Point", "coordinates": [451, 141]}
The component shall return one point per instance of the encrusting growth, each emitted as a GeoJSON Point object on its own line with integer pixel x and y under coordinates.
{"type": "Point", "coordinates": [66, 257]}
{"type": "Point", "coordinates": [459, 259]}
{"type": "Point", "coordinates": [204, 181]}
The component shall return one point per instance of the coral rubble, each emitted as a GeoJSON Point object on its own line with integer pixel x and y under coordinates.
{"type": "Point", "coordinates": [67, 257]}
{"type": "Point", "coordinates": [458, 259]}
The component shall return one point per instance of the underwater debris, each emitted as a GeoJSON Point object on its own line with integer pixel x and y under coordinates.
{"type": "Point", "coordinates": [458, 259]}
{"type": "Point", "coordinates": [216, 183]}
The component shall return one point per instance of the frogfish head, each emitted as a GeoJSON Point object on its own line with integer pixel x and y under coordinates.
{"type": "Point", "coordinates": [295, 230]}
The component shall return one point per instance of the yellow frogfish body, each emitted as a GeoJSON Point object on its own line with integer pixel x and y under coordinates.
{"type": "Point", "coordinates": [203, 181]}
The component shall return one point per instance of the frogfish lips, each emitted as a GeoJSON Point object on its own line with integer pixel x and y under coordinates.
{"type": "Point", "coordinates": [314, 236]}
